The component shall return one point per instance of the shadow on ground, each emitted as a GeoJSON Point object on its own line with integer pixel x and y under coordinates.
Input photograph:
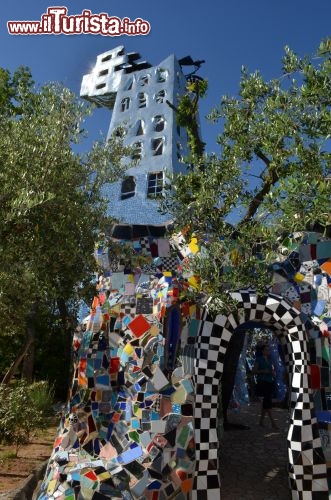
{"type": "Point", "coordinates": [254, 462]}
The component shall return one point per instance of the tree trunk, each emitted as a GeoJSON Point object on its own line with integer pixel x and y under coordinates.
{"type": "Point", "coordinates": [16, 363]}
{"type": "Point", "coordinates": [68, 324]}
{"type": "Point", "coordinates": [28, 360]}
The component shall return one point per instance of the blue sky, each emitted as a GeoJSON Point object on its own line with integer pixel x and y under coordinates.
{"type": "Point", "coordinates": [227, 34]}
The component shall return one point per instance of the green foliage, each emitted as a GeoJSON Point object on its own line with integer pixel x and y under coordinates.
{"type": "Point", "coordinates": [14, 89]}
{"type": "Point", "coordinates": [51, 201]}
{"type": "Point", "coordinates": [21, 413]}
{"type": "Point", "coordinates": [53, 352]}
{"type": "Point", "coordinates": [7, 455]}
{"type": "Point", "coordinates": [187, 114]}
{"type": "Point", "coordinates": [5, 458]}
{"type": "Point", "coordinates": [268, 178]}
{"type": "Point", "coordinates": [42, 396]}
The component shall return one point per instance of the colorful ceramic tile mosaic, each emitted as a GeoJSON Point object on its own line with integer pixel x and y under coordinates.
{"type": "Point", "coordinates": [141, 421]}
{"type": "Point", "coordinates": [128, 431]}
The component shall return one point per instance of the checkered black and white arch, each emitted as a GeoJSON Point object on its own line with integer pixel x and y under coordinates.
{"type": "Point", "coordinates": [307, 468]}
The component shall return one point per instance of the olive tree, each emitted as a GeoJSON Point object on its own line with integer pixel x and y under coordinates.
{"type": "Point", "coordinates": [268, 177]}
{"type": "Point", "coordinates": [51, 205]}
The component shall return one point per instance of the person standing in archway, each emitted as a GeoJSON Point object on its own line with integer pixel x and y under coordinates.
{"type": "Point", "coordinates": [265, 374]}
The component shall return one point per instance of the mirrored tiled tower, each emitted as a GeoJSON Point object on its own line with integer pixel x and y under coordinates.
{"type": "Point", "coordinates": [137, 92]}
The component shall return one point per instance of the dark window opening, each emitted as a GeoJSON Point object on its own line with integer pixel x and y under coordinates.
{"type": "Point", "coordinates": [120, 131]}
{"type": "Point", "coordinates": [138, 151]}
{"type": "Point", "coordinates": [157, 146]}
{"type": "Point", "coordinates": [179, 152]}
{"type": "Point", "coordinates": [106, 58]}
{"type": "Point", "coordinates": [140, 128]}
{"type": "Point", "coordinates": [161, 75]}
{"type": "Point", "coordinates": [100, 86]}
{"type": "Point", "coordinates": [104, 72]}
{"type": "Point", "coordinates": [128, 187]}
{"type": "Point", "coordinates": [143, 80]}
{"type": "Point", "coordinates": [159, 97]}
{"type": "Point", "coordinates": [142, 100]}
{"type": "Point", "coordinates": [159, 122]}
{"type": "Point", "coordinates": [155, 184]}
{"type": "Point", "coordinates": [129, 83]}
{"type": "Point", "coordinates": [125, 103]}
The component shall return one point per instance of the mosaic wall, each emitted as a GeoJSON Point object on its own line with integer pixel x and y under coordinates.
{"type": "Point", "coordinates": [131, 429]}
{"type": "Point", "coordinates": [129, 432]}
{"type": "Point", "coordinates": [304, 279]}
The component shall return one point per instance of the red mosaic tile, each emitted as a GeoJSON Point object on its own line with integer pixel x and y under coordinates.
{"type": "Point", "coordinates": [139, 325]}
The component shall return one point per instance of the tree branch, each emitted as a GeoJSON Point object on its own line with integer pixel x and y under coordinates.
{"type": "Point", "coordinates": [17, 361]}
{"type": "Point", "coordinates": [262, 156]}
{"type": "Point", "coordinates": [172, 106]}
{"type": "Point", "coordinates": [270, 181]}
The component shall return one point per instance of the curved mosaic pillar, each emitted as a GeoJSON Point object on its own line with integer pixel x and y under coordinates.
{"type": "Point", "coordinates": [208, 365]}
{"type": "Point", "coordinates": [128, 430]}
{"type": "Point", "coordinates": [307, 468]}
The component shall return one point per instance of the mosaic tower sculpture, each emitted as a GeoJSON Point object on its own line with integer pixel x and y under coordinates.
{"type": "Point", "coordinates": [137, 92]}
{"type": "Point", "coordinates": [141, 421]}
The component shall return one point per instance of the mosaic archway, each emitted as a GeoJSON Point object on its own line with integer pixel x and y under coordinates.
{"type": "Point", "coordinates": [141, 420]}
{"type": "Point", "coordinates": [307, 468]}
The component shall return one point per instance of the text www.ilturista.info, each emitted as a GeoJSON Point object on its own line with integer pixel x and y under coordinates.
{"type": "Point", "coordinates": [57, 22]}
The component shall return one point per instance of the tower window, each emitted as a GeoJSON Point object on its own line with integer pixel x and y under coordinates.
{"type": "Point", "coordinates": [125, 103]}
{"type": "Point", "coordinates": [128, 85]}
{"type": "Point", "coordinates": [161, 75]}
{"type": "Point", "coordinates": [155, 184]}
{"type": "Point", "coordinates": [157, 146]}
{"type": "Point", "coordinates": [120, 131]}
{"type": "Point", "coordinates": [106, 58]}
{"type": "Point", "coordinates": [128, 187]}
{"type": "Point", "coordinates": [179, 152]}
{"type": "Point", "coordinates": [159, 122]}
{"type": "Point", "coordinates": [137, 151]}
{"type": "Point", "coordinates": [142, 100]}
{"type": "Point", "coordinates": [104, 72]}
{"type": "Point", "coordinates": [159, 97]}
{"type": "Point", "coordinates": [143, 80]}
{"type": "Point", "coordinates": [140, 128]}
{"type": "Point", "coordinates": [100, 86]}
